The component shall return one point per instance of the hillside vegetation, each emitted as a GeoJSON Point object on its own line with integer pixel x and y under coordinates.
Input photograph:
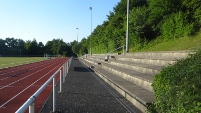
{"type": "Point", "coordinates": [168, 22]}
{"type": "Point", "coordinates": [182, 43]}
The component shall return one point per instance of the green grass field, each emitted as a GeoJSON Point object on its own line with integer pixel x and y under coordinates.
{"type": "Point", "coordinates": [14, 61]}
{"type": "Point", "coordinates": [183, 43]}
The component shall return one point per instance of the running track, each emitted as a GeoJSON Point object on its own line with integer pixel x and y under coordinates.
{"type": "Point", "coordinates": [18, 83]}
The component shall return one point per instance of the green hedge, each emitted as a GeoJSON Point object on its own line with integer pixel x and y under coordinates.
{"type": "Point", "coordinates": [178, 87]}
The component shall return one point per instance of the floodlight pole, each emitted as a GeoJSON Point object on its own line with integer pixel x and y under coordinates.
{"type": "Point", "coordinates": [127, 29]}
{"type": "Point", "coordinates": [77, 33]}
{"type": "Point", "coordinates": [91, 31]}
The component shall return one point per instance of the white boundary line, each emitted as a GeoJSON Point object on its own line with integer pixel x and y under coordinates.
{"type": "Point", "coordinates": [21, 69]}
{"type": "Point", "coordinates": [24, 77]}
{"type": "Point", "coordinates": [21, 64]}
{"type": "Point", "coordinates": [27, 87]}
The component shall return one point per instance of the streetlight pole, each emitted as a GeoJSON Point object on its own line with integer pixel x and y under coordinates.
{"type": "Point", "coordinates": [127, 29]}
{"type": "Point", "coordinates": [77, 33]}
{"type": "Point", "coordinates": [91, 31]}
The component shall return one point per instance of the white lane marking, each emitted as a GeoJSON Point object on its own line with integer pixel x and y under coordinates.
{"type": "Point", "coordinates": [24, 77]}
{"type": "Point", "coordinates": [23, 68]}
{"type": "Point", "coordinates": [27, 87]}
{"type": "Point", "coordinates": [24, 86]}
{"type": "Point", "coordinates": [28, 61]}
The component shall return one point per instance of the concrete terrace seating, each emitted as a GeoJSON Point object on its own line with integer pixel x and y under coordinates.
{"type": "Point", "coordinates": [132, 74]}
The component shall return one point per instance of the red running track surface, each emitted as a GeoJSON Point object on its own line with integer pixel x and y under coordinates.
{"type": "Point", "coordinates": [18, 83]}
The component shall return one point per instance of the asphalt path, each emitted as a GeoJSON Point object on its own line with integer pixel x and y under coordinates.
{"type": "Point", "coordinates": [84, 92]}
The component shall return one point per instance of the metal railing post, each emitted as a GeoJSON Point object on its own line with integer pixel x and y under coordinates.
{"type": "Point", "coordinates": [67, 66]}
{"type": "Point", "coordinates": [61, 79]}
{"type": "Point", "coordinates": [69, 63]}
{"type": "Point", "coordinates": [65, 69]}
{"type": "Point", "coordinates": [64, 72]}
{"type": "Point", "coordinates": [30, 102]}
{"type": "Point", "coordinates": [54, 95]}
{"type": "Point", "coordinates": [31, 107]}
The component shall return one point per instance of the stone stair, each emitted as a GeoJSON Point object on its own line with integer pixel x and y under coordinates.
{"type": "Point", "coordinates": [132, 74]}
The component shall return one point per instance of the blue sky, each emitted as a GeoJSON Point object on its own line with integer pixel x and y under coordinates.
{"type": "Point", "coordinates": [45, 20]}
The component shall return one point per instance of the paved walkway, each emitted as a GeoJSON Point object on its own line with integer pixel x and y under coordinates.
{"type": "Point", "coordinates": [84, 92]}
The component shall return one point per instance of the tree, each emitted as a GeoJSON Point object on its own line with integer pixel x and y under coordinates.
{"type": "Point", "coordinates": [69, 50]}
{"type": "Point", "coordinates": [27, 47]}
{"type": "Point", "coordinates": [83, 47]}
{"type": "Point", "coordinates": [48, 47]}
{"type": "Point", "coordinates": [32, 47]}
{"type": "Point", "coordinates": [159, 9]}
{"type": "Point", "coordinates": [57, 47]}
{"type": "Point", "coordinates": [75, 47]}
{"type": "Point", "coordinates": [11, 42]}
{"type": "Point", "coordinates": [193, 10]}
{"type": "Point", "coordinates": [40, 44]}
{"type": "Point", "coordinates": [16, 47]}
{"type": "Point", "coordinates": [162, 10]}
{"type": "Point", "coordinates": [176, 25]}
{"type": "Point", "coordinates": [3, 47]}
{"type": "Point", "coordinates": [21, 46]}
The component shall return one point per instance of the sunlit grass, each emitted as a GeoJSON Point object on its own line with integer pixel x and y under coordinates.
{"type": "Point", "coordinates": [183, 43]}
{"type": "Point", "coordinates": [14, 61]}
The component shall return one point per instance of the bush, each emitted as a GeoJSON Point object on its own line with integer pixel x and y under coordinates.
{"type": "Point", "coordinates": [176, 25]}
{"type": "Point", "coordinates": [178, 87]}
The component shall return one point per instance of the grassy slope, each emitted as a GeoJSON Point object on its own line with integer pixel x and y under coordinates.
{"type": "Point", "coordinates": [183, 43]}
{"type": "Point", "coordinates": [13, 61]}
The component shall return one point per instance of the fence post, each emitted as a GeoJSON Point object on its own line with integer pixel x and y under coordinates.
{"type": "Point", "coordinates": [31, 107]}
{"type": "Point", "coordinates": [54, 95]}
{"type": "Point", "coordinates": [67, 66]}
{"type": "Point", "coordinates": [61, 79]}
{"type": "Point", "coordinates": [64, 72]}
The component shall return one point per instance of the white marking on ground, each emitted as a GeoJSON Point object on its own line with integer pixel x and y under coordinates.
{"type": "Point", "coordinates": [25, 88]}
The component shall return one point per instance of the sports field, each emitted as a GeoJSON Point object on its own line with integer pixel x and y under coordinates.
{"type": "Point", "coordinates": [14, 61]}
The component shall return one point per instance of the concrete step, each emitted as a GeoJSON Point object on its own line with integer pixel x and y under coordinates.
{"type": "Point", "coordinates": [154, 58]}
{"type": "Point", "coordinates": [95, 56]}
{"type": "Point", "coordinates": [132, 74]}
{"type": "Point", "coordinates": [140, 67]}
{"type": "Point", "coordinates": [167, 55]}
{"type": "Point", "coordinates": [141, 79]}
{"type": "Point", "coordinates": [157, 62]}
{"type": "Point", "coordinates": [93, 61]}
{"type": "Point", "coordinates": [137, 95]}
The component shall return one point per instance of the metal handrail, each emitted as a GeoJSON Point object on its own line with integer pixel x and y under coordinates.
{"type": "Point", "coordinates": [107, 55]}
{"type": "Point", "coordinates": [117, 49]}
{"type": "Point", "coordinates": [30, 102]}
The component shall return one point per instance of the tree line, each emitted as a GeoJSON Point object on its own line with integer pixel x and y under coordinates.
{"type": "Point", "coordinates": [149, 19]}
{"type": "Point", "coordinates": [19, 47]}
